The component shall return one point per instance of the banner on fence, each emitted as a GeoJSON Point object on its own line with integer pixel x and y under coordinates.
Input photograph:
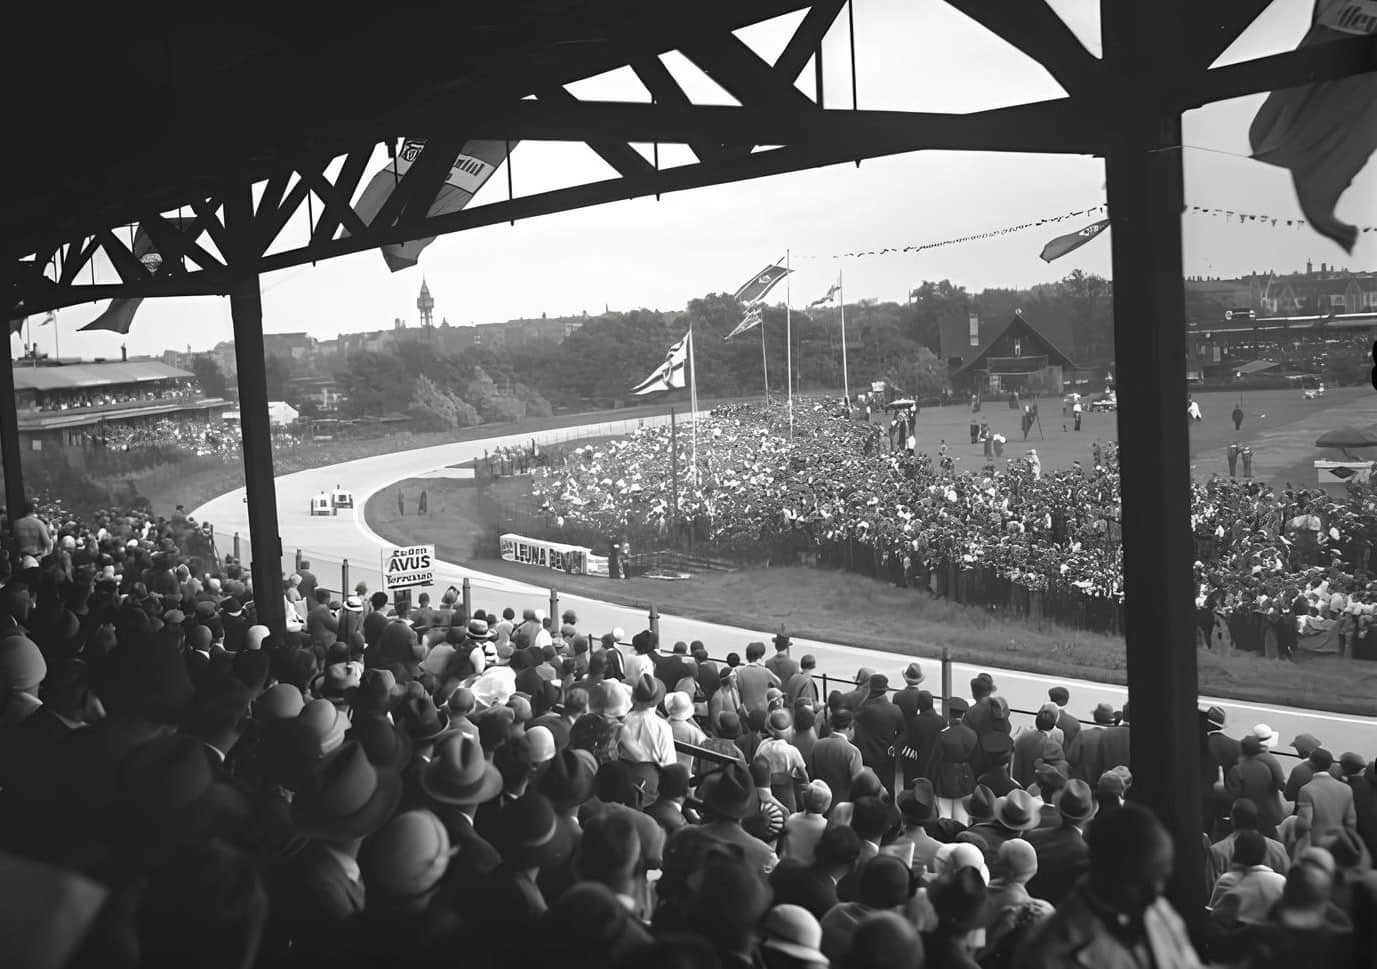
{"type": "Point", "coordinates": [408, 568]}
{"type": "Point", "coordinates": [573, 559]}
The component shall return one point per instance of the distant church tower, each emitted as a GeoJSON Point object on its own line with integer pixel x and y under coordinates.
{"type": "Point", "coordinates": [426, 304]}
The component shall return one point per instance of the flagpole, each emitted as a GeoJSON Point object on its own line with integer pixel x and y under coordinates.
{"type": "Point", "coordinates": [764, 362]}
{"type": "Point", "coordinates": [789, 341]}
{"type": "Point", "coordinates": [693, 402]}
{"type": "Point", "coordinates": [841, 301]}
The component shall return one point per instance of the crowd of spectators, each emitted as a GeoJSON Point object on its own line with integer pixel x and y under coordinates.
{"type": "Point", "coordinates": [406, 784]}
{"type": "Point", "coordinates": [60, 400]}
{"type": "Point", "coordinates": [198, 438]}
{"type": "Point", "coordinates": [834, 492]}
{"type": "Point", "coordinates": [511, 460]}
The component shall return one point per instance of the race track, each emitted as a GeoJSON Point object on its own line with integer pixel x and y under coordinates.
{"type": "Point", "coordinates": [326, 542]}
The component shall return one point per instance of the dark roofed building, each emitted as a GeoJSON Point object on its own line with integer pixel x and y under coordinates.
{"type": "Point", "coordinates": [1015, 356]}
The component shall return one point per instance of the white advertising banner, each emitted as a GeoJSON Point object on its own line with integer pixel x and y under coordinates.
{"type": "Point", "coordinates": [573, 559]}
{"type": "Point", "coordinates": [408, 568]}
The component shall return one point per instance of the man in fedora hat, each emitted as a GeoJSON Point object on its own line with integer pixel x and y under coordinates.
{"type": "Point", "coordinates": [454, 784]}
{"type": "Point", "coordinates": [801, 685]}
{"type": "Point", "coordinates": [918, 812]}
{"type": "Point", "coordinates": [835, 760]}
{"type": "Point", "coordinates": [907, 698]}
{"type": "Point", "coordinates": [781, 664]}
{"type": "Point", "coordinates": [729, 797]}
{"type": "Point", "coordinates": [1029, 746]}
{"type": "Point", "coordinates": [1088, 761]}
{"type": "Point", "coordinates": [1063, 855]}
{"type": "Point", "coordinates": [879, 727]}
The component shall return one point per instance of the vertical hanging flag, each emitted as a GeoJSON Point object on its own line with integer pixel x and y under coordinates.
{"type": "Point", "coordinates": [51, 317]}
{"type": "Point", "coordinates": [119, 315]}
{"type": "Point", "coordinates": [669, 375]}
{"type": "Point", "coordinates": [477, 162]}
{"type": "Point", "coordinates": [1072, 241]}
{"type": "Point", "coordinates": [826, 297]}
{"type": "Point", "coordinates": [1323, 133]}
{"type": "Point", "coordinates": [761, 283]}
{"type": "Point", "coordinates": [748, 322]}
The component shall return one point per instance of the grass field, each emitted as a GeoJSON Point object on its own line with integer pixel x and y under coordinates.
{"type": "Point", "coordinates": [842, 607]}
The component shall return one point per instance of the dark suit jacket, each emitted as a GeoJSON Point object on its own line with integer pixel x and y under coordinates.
{"type": "Point", "coordinates": [907, 702]}
{"type": "Point", "coordinates": [1088, 755]}
{"type": "Point", "coordinates": [879, 725]}
{"type": "Point", "coordinates": [795, 883]}
{"type": "Point", "coordinates": [1063, 856]}
{"type": "Point", "coordinates": [1028, 748]}
{"type": "Point", "coordinates": [1259, 782]}
{"type": "Point", "coordinates": [1224, 751]}
{"type": "Point", "coordinates": [950, 764]}
{"type": "Point", "coordinates": [920, 738]}
{"type": "Point", "coordinates": [1115, 748]}
{"type": "Point", "coordinates": [836, 762]}
{"type": "Point", "coordinates": [980, 717]}
{"type": "Point", "coordinates": [782, 665]}
{"type": "Point", "coordinates": [1070, 732]}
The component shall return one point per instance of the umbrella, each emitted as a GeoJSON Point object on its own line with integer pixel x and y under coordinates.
{"type": "Point", "coordinates": [1345, 438]}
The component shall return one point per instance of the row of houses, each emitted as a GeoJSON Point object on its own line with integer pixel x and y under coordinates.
{"type": "Point", "coordinates": [1321, 291]}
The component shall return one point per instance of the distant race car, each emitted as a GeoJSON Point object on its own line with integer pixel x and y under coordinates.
{"type": "Point", "coordinates": [340, 498]}
{"type": "Point", "coordinates": [1106, 404]}
{"type": "Point", "coordinates": [321, 505]}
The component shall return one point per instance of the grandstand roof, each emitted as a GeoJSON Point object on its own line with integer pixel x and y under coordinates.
{"type": "Point", "coordinates": [82, 375]}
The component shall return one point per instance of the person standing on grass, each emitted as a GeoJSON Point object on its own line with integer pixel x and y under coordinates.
{"type": "Point", "coordinates": [421, 507]}
{"type": "Point", "coordinates": [401, 503]}
{"type": "Point", "coordinates": [1238, 416]}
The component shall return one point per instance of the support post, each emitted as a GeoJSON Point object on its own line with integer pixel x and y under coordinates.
{"type": "Point", "coordinates": [467, 589]}
{"type": "Point", "coordinates": [946, 680]}
{"type": "Point", "coordinates": [297, 560]}
{"type": "Point", "coordinates": [655, 620]}
{"type": "Point", "coordinates": [344, 579]}
{"type": "Point", "coordinates": [1146, 198]}
{"type": "Point", "coordinates": [236, 546]}
{"type": "Point", "coordinates": [554, 611]}
{"type": "Point", "coordinates": [265, 544]}
{"type": "Point", "coordinates": [9, 437]}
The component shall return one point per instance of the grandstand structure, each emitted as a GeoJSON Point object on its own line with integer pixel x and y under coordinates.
{"type": "Point", "coordinates": [1291, 346]}
{"type": "Point", "coordinates": [259, 119]}
{"type": "Point", "coordinates": [70, 406]}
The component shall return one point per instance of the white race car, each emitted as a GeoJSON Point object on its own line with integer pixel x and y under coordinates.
{"type": "Point", "coordinates": [340, 498]}
{"type": "Point", "coordinates": [321, 506]}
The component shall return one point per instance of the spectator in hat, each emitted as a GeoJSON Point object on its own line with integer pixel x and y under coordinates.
{"type": "Point", "coordinates": [1014, 815]}
{"type": "Point", "coordinates": [781, 664]}
{"type": "Point", "coordinates": [679, 709]}
{"type": "Point", "coordinates": [920, 737]}
{"type": "Point", "coordinates": [1069, 726]}
{"type": "Point", "coordinates": [979, 715]}
{"type": "Point", "coordinates": [1029, 746]}
{"type": "Point", "coordinates": [801, 684]}
{"type": "Point", "coordinates": [785, 762]}
{"type": "Point", "coordinates": [1303, 928]}
{"type": "Point", "coordinates": [906, 699]}
{"type": "Point", "coordinates": [857, 696]}
{"type": "Point", "coordinates": [998, 749]}
{"type": "Point", "coordinates": [835, 760]}
{"type": "Point", "coordinates": [1243, 817]}
{"type": "Point", "coordinates": [730, 797]}
{"type": "Point", "coordinates": [805, 731]}
{"type": "Point", "coordinates": [1119, 910]}
{"type": "Point", "coordinates": [879, 727]}
{"type": "Point", "coordinates": [1259, 780]}
{"type": "Point", "coordinates": [789, 939]}
{"type": "Point", "coordinates": [728, 908]}
{"type": "Point", "coordinates": [814, 887]}
{"type": "Point", "coordinates": [589, 927]}
{"type": "Point", "coordinates": [949, 765]}
{"type": "Point", "coordinates": [321, 625]}
{"type": "Point", "coordinates": [1089, 761]}
{"type": "Point", "coordinates": [1305, 744]}
{"type": "Point", "coordinates": [1063, 854]}
{"type": "Point", "coordinates": [958, 901]}
{"type": "Point", "coordinates": [1224, 750]}
{"type": "Point", "coordinates": [1016, 862]}
{"type": "Point", "coordinates": [1361, 777]}
{"type": "Point", "coordinates": [884, 885]}
{"type": "Point", "coordinates": [454, 783]}
{"type": "Point", "coordinates": [884, 940]}
{"type": "Point", "coordinates": [647, 738]}
{"type": "Point", "coordinates": [1324, 805]}
{"type": "Point", "coordinates": [917, 808]}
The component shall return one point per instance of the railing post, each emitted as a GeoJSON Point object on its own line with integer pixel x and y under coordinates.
{"type": "Point", "coordinates": [344, 579]}
{"type": "Point", "coordinates": [946, 679]}
{"type": "Point", "coordinates": [554, 610]}
{"type": "Point", "coordinates": [297, 566]}
{"type": "Point", "coordinates": [655, 620]}
{"type": "Point", "coordinates": [236, 546]}
{"type": "Point", "coordinates": [467, 590]}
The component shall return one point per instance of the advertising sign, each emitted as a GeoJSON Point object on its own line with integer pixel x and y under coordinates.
{"type": "Point", "coordinates": [408, 568]}
{"type": "Point", "coordinates": [572, 559]}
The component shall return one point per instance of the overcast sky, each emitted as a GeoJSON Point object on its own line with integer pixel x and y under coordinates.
{"type": "Point", "coordinates": [912, 55]}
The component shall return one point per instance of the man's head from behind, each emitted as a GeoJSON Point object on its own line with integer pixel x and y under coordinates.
{"type": "Point", "coordinates": [1131, 858]}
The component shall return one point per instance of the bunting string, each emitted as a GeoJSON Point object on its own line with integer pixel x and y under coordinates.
{"type": "Point", "coordinates": [1229, 215]}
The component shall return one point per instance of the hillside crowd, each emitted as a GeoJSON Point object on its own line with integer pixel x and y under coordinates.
{"type": "Point", "coordinates": [406, 784]}
{"type": "Point", "coordinates": [834, 491]}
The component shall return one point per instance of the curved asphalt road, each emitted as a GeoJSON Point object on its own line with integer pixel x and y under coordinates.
{"type": "Point", "coordinates": [326, 542]}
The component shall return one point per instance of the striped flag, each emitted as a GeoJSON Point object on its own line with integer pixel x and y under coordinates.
{"type": "Point", "coordinates": [826, 297]}
{"type": "Point", "coordinates": [761, 283]}
{"type": "Point", "coordinates": [119, 315]}
{"type": "Point", "coordinates": [748, 322]}
{"type": "Point", "coordinates": [670, 375]}
{"type": "Point", "coordinates": [1323, 133]}
{"type": "Point", "coordinates": [470, 172]}
{"type": "Point", "coordinates": [1072, 241]}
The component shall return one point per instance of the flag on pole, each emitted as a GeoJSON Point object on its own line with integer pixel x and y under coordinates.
{"type": "Point", "coordinates": [477, 162]}
{"type": "Point", "coordinates": [827, 297]}
{"type": "Point", "coordinates": [1072, 241]}
{"type": "Point", "coordinates": [669, 375]}
{"type": "Point", "coordinates": [761, 283]}
{"type": "Point", "coordinates": [748, 322]}
{"type": "Point", "coordinates": [1323, 133]}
